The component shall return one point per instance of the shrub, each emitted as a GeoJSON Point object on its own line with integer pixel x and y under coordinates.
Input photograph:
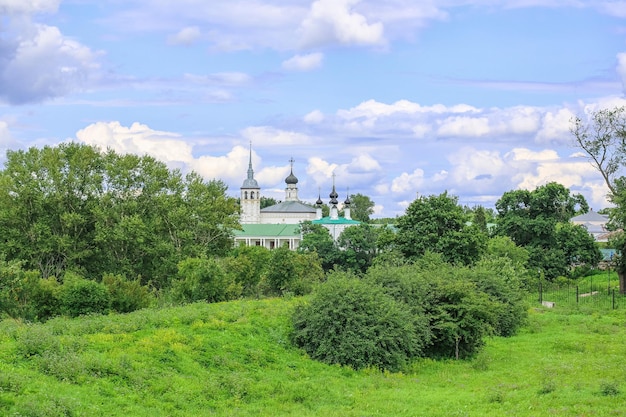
{"type": "Point", "coordinates": [349, 322]}
{"type": "Point", "coordinates": [203, 279]}
{"type": "Point", "coordinates": [126, 296]}
{"type": "Point", "coordinates": [81, 296]}
{"type": "Point", "coordinates": [293, 272]}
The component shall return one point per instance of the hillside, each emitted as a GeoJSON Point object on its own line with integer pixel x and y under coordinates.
{"type": "Point", "coordinates": [234, 359]}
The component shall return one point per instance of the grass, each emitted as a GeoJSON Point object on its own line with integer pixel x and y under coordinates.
{"type": "Point", "coordinates": [234, 359]}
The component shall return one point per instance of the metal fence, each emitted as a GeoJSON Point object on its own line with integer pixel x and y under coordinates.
{"type": "Point", "coordinates": [598, 296]}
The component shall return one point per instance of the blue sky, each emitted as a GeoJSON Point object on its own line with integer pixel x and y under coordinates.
{"type": "Point", "coordinates": [396, 97]}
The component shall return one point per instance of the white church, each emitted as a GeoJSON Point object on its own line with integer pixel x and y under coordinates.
{"type": "Point", "coordinates": [278, 225]}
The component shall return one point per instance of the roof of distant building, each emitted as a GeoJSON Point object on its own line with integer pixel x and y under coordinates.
{"type": "Point", "coordinates": [289, 207]}
{"type": "Point", "coordinates": [591, 216]}
{"type": "Point", "coordinates": [340, 220]}
{"type": "Point", "coordinates": [268, 230]}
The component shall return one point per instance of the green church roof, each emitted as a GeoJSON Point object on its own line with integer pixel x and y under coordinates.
{"type": "Point", "coordinates": [268, 230]}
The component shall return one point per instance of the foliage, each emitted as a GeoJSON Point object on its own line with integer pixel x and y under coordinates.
{"type": "Point", "coordinates": [361, 207]}
{"type": "Point", "coordinates": [538, 220]}
{"type": "Point", "coordinates": [203, 279]}
{"type": "Point", "coordinates": [126, 296]}
{"type": "Point", "coordinates": [438, 224]}
{"type": "Point", "coordinates": [348, 322]}
{"type": "Point", "coordinates": [17, 288]}
{"type": "Point", "coordinates": [81, 296]}
{"type": "Point", "coordinates": [72, 207]}
{"type": "Point", "coordinates": [358, 246]}
{"type": "Point", "coordinates": [316, 238]}
{"type": "Point", "coordinates": [293, 272]}
{"type": "Point", "coordinates": [249, 264]}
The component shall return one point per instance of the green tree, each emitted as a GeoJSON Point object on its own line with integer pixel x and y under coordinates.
{"type": "Point", "coordinates": [438, 224]}
{"type": "Point", "coordinates": [293, 272]}
{"type": "Point", "coordinates": [532, 219]}
{"type": "Point", "coordinates": [358, 246]}
{"type": "Point", "coordinates": [316, 238]}
{"type": "Point", "coordinates": [601, 135]}
{"type": "Point", "coordinates": [74, 208]}
{"type": "Point", "coordinates": [361, 207]}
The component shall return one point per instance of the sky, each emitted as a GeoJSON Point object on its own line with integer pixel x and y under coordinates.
{"type": "Point", "coordinates": [395, 98]}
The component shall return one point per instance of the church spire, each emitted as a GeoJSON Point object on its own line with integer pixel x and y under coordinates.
{"type": "Point", "coordinates": [250, 182]}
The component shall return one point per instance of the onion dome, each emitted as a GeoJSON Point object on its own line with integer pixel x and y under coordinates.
{"type": "Point", "coordinates": [319, 201]}
{"type": "Point", "coordinates": [333, 196]}
{"type": "Point", "coordinates": [291, 179]}
{"type": "Point", "coordinates": [347, 202]}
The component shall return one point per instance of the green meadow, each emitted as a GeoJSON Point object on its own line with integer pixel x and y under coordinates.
{"type": "Point", "coordinates": [235, 359]}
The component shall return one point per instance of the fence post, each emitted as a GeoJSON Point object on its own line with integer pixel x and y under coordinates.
{"type": "Point", "coordinates": [577, 294]}
{"type": "Point", "coordinates": [540, 292]}
{"type": "Point", "coordinates": [613, 298]}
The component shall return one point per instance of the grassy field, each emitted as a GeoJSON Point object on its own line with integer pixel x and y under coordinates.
{"type": "Point", "coordinates": [234, 359]}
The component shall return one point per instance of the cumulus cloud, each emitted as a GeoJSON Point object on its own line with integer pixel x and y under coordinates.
{"type": "Point", "coordinates": [186, 36]}
{"type": "Point", "coordinates": [331, 21]}
{"type": "Point", "coordinates": [40, 63]}
{"type": "Point", "coordinates": [138, 139]}
{"type": "Point", "coordinates": [555, 127]}
{"type": "Point", "coordinates": [464, 126]}
{"type": "Point", "coordinates": [408, 183]}
{"type": "Point", "coordinates": [306, 62]}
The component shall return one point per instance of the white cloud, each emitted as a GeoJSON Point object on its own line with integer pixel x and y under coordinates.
{"type": "Point", "coordinates": [331, 21]}
{"type": "Point", "coordinates": [186, 36]}
{"type": "Point", "coordinates": [464, 126]}
{"type": "Point", "coordinates": [43, 64]}
{"type": "Point", "coordinates": [306, 62]}
{"type": "Point", "coordinates": [555, 127]}
{"type": "Point", "coordinates": [262, 136]}
{"type": "Point", "coordinates": [138, 139]}
{"type": "Point", "coordinates": [407, 183]}
{"type": "Point", "coordinates": [314, 117]}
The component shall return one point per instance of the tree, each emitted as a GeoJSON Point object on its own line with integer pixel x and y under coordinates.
{"type": "Point", "coordinates": [316, 238]}
{"type": "Point", "coordinates": [532, 219]}
{"type": "Point", "coordinates": [358, 244]}
{"type": "Point", "coordinates": [602, 136]}
{"type": "Point", "coordinates": [72, 207]}
{"type": "Point", "coordinates": [361, 207]}
{"type": "Point", "coordinates": [438, 224]}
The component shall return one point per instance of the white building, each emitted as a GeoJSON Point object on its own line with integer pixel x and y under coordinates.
{"type": "Point", "coordinates": [277, 225]}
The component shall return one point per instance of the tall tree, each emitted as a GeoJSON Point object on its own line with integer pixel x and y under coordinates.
{"type": "Point", "coordinates": [72, 207]}
{"type": "Point", "coordinates": [601, 135]}
{"type": "Point", "coordinates": [361, 207]}
{"type": "Point", "coordinates": [438, 224]}
{"type": "Point", "coordinates": [538, 221]}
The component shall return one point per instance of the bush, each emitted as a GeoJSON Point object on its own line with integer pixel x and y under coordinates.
{"type": "Point", "coordinates": [293, 272]}
{"type": "Point", "coordinates": [349, 322]}
{"type": "Point", "coordinates": [201, 279]}
{"type": "Point", "coordinates": [126, 296]}
{"type": "Point", "coordinates": [82, 296]}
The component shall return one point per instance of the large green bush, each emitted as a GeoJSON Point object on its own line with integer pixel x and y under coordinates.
{"type": "Point", "coordinates": [204, 279]}
{"type": "Point", "coordinates": [350, 322]}
{"type": "Point", "coordinates": [82, 296]}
